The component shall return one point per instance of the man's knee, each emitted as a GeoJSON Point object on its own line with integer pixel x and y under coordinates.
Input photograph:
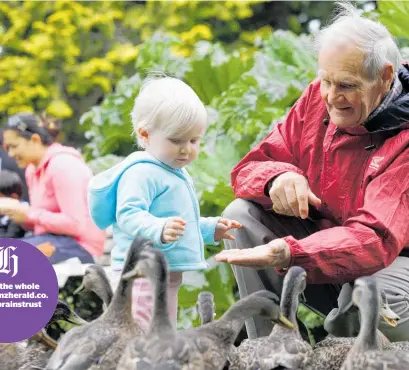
{"type": "Point", "coordinates": [238, 209]}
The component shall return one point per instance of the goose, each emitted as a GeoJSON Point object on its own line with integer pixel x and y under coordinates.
{"type": "Point", "coordinates": [330, 353]}
{"type": "Point", "coordinates": [366, 352]}
{"type": "Point", "coordinates": [40, 346]}
{"type": "Point", "coordinates": [95, 280]}
{"type": "Point", "coordinates": [283, 347]}
{"type": "Point", "coordinates": [205, 347]}
{"type": "Point", "coordinates": [99, 344]}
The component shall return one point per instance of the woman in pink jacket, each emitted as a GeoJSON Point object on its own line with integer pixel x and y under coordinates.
{"type": "Point", "coordinates": [57, 180]}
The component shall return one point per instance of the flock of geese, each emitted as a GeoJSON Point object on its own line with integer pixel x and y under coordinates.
{"type": "Point", "coordinates": [114, 340]}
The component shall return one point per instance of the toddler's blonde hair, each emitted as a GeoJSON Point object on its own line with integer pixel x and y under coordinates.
{"type": "Point", "coordinates": [166, 104]}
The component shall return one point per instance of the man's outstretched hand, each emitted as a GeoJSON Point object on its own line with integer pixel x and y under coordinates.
{"type": "Point", "coordinates": [274, 254]}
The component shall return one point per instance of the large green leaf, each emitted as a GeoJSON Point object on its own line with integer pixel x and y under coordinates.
{"type": "Point", "coordinates": [212, 70]}
{"type": "Point", "coordinates": [282, 69]}
{"type": "Point", "coordinates": [394, 15]}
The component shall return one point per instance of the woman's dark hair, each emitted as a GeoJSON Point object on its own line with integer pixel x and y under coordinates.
{"type": "Point", "coordinates": [28, 124]}
{"type": "Point", "coordinates": [10, 183]}
{"type": "Point", "coordinates": [52, 124]}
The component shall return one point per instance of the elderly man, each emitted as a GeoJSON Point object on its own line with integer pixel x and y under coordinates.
{"type": "Point", "coordinates": [328, 189]}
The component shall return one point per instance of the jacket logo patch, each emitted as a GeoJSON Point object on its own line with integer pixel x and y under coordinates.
{"type": "Point", "coordinates": [376, 163]}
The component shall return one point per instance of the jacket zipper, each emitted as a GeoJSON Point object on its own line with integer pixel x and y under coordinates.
{"type": "Point", "coordinates": [324, 165]}
{"type": "Point", "coordinates": [365, 163]}
{"type": "Point", "coordinates": [193, 198]}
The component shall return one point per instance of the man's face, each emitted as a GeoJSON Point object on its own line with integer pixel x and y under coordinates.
{"type": "Point", "coordinates": [349, 95]}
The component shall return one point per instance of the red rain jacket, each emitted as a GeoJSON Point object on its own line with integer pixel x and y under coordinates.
{"type": "Point", "coordinates": [361, 175]}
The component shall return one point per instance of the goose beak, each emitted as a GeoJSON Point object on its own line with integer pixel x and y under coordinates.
{"type": "Point", "coordinates": [389, 316]}
{"type": "Point", "coordinates": [282, 320]}
{"type": "Point", "coordinates": [73, 318]}
{"type": "Point", "coordinates": [133, 274]}
{"type": "Point", "coordinates": [390, 322]}
{"type": "Point", "coordinates": [79, 289]}
{"type": "Point", "coordinates": [44, 338]}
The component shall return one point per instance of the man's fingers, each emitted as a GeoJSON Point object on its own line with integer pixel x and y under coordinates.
{"type": "Point", "coordinates": [301, 189]}
{"type": "Point", "coordinates": [277, 206]}
{"type": "Point", "coordinates": [224, 254]}
{"type": "Point", "coordinates": [313, 199]}
{"type": "Point", "coordinates": [244, 261]}
{"type": "Point", "coordinates": [292, 200]}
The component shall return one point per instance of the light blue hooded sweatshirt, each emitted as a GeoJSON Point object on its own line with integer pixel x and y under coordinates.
{"type": "Point", "coordinates": [137, 196]}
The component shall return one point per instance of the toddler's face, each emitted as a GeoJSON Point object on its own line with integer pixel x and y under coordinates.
{"type": "Point", "coordinates": [176, 151]}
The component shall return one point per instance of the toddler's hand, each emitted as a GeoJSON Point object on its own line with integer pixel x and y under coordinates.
{"type": "Point", "coordinates": [173, 228]}
{"type": "Point", "coordinates": [223, 226]}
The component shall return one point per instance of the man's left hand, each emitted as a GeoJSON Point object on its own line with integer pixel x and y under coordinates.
{"type": "Point", "coordinates": [274, 254]}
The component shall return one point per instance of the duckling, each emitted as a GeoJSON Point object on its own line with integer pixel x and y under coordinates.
{"type": "Point", "coordinates": [205, 307]}
{"type": "Point", "coordinates": [330, 353]}
{"type": "Point", "coordinates": [283, 347]}
{"type": "Point", "coordinates": [203, 348]}
{"type": "Point", "coordinates": [40, 346]}
{"type": "Point", "coordinates": [366, 351]}
{"type": "Point", "coordinates": [95, 280]}
{"type": "Point", "coordinates": [99, 344]}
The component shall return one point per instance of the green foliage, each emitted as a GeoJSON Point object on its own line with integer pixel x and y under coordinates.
{"type": "Point", "coordinates": [62, 57]}
{"type": "Point", "coordinates": [101, 164]}
{"type": "Point", "coordinates": [310, 319]}
{"type": "Point", "coordinates": [218, 279]}
{"type": "Point", "coordinates": [223, 67]}
{"type": "Point", "coordinates": [394, 15]}
{"type": "Point", "coordinates": [263, 95]}
{"type": "Point", "coordinates": [57, 53]}
{"type": "Point", "coordinates": [108, 125]}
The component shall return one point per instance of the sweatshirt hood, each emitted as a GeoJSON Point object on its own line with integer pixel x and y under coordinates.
{"type": "Point", "coordinates": [396, 116]}
{"type": "Point", "coordinates": [54, 150]}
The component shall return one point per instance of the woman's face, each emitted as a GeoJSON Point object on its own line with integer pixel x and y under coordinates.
{"type": "Point", "coordinates": [24, 151]}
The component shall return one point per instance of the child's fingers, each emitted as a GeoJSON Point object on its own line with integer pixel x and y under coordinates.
{"type": "Point", "coordinates": [228, 236]}
{"type": "Point", "coordinates": [226, 222]}
{"type": "Point", "coordinates": [236, 224]}
{"type": "Point", "coordinates": [170, 238]}
{"type": "Point", "coordinates": [176, 226]}
{"type": "Point", "coordinates": [178, 220]}
{"type": "Point", "coordinates": [173, 231]}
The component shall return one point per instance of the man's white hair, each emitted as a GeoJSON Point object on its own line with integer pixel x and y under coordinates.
{"type": "Point", "coordinates": [372, 37]}
{"type": "Point", "coordinates": [166, 104]}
